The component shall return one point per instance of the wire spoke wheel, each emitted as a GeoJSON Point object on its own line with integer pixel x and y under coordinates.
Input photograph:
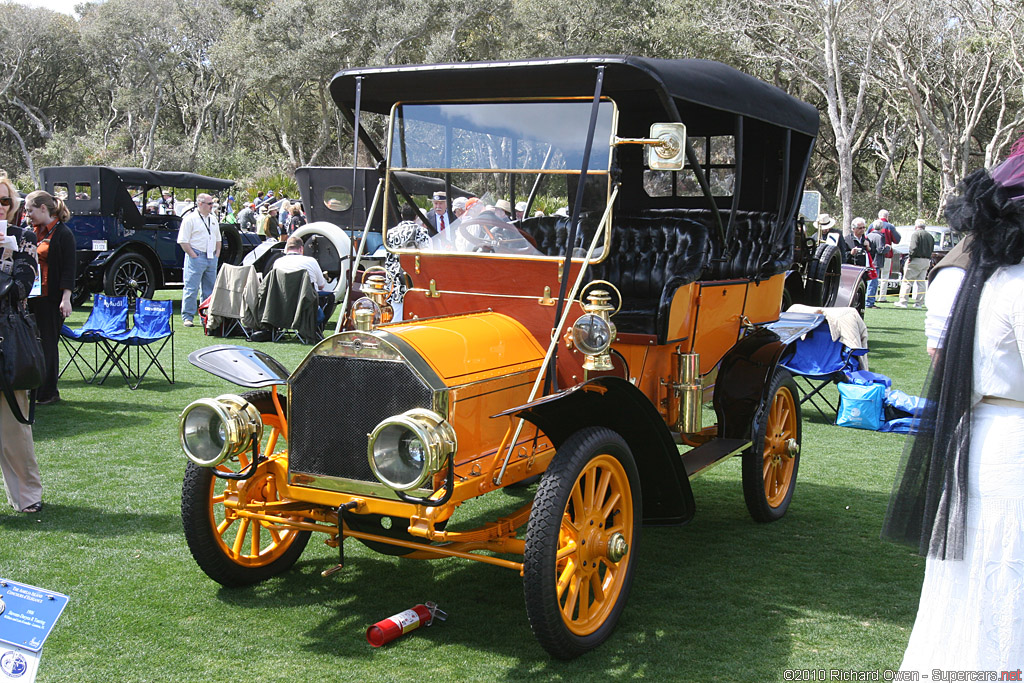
{"type": "Point", "coordinates": [770, 465]}
{"type": "Point", "coordinates": [231, 548]}
{"type": "Point", "coordinates": [581, 543]}
{"type": "Point", "coordinates": [130, 275]}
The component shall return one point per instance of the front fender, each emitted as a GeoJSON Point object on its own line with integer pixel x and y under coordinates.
{"type": "Point", "coordinates": [240, 365]}
{"type": "Point", "coordinates": [618, 405]}
{"type": "Point", "coordinates": [848, 281]}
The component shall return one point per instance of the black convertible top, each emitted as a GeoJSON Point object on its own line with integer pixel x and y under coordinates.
{"type": "Point", "coordinates": [140, 176]}
{"type": "Point", "coordinates": [628, 80]}
{"type": "Point", "coordinates": [108, 194]}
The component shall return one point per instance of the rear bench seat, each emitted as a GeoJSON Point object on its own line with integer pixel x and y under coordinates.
{"type": "Point", "coordinates": [655, 253]}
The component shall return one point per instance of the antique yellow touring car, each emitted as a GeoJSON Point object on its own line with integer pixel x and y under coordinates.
{"type": "Point", "coordinates": [578, 346]}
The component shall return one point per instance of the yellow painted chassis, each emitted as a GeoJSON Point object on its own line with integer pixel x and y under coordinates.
{"type": "Point", "coordinates": [319, 507]}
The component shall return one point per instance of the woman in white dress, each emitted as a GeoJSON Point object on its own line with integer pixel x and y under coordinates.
{"type": "Point", "coordinates": [959, 497]}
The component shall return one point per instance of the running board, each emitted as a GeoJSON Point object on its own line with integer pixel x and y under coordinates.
{"type": "Point", "coordinates": [710, 454]}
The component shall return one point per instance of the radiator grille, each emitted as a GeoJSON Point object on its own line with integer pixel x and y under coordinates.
{"type": "Point", "coordinates": [336, 402]}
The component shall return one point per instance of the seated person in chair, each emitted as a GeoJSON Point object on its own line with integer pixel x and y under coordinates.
{"type": "Point", "coordinates": [295, 259]}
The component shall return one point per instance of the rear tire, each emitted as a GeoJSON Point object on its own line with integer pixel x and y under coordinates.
{"type": "Point", "coordinates": [770, 465]}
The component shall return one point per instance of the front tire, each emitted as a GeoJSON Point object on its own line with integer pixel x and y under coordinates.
{"type": "Point", "coordinates": [770, 465]}
{"type": "Point", "coordinates": [234, 550]}
{"type": "Point", "coordinates": [581, 543]}
{"type": "Point", "coordinates": [80, 294]}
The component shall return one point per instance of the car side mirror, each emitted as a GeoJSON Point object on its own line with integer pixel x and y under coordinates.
{"type": "Point", "coordinates": [666, 146]}
{"type": "Point", "coordinates": [669, 152]}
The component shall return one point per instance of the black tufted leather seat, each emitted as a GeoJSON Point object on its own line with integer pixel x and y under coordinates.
{"type": "Point", "coordinates": [655, 253]}
{"type": "Point", "coordinates": [651, 257]}
{"type": "Point", "coordinates": [551, 232]}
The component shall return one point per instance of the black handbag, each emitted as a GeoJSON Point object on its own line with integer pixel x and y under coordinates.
{"type": "Point", "coordinates": [22, 364]}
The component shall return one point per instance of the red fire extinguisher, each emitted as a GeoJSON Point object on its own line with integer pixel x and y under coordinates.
{"type": "Point", "coordinates": [386, 630]}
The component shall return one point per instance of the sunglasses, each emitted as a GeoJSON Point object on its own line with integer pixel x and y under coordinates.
{"type": "Point", "coordinates": [5, 201]}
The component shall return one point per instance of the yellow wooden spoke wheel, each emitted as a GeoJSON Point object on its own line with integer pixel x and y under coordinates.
{"type": "Point", "coordinates": [233, 549]}
{"type": "Point", "coordinates": [581, 542]}
{"type": "Point", "coordinates": [770, 466]}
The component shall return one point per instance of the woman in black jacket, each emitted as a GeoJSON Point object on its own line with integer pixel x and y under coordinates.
{"type": "Point", "coordinates": [56, 252]}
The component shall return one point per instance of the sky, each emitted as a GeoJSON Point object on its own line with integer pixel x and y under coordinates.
{"type": "Point", "coordinates": [64, 6]}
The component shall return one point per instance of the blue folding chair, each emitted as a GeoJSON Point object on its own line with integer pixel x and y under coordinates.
{"type": "Point", "coordinates": [152, 324]}
{"type": "Point", "coordinates": [109, 316]}
{"type": "Point", "coordinates": [816, 361]}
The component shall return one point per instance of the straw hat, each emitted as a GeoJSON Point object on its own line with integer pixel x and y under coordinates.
{"type": "Point", "coordinates": [825, 221]}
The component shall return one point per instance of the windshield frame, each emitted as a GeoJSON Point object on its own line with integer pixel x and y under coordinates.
{"type": "Point", "coordinates": [605, 171]}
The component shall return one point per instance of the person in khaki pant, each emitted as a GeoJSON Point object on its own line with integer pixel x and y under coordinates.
{"type": "Point", "coordinates": [18, 465]}
{"type": "Point", "coordinates": [921, 245]}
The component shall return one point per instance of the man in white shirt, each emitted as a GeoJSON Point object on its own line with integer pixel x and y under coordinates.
{"type": "Point", "coordinates": [199, 237]}
{"type": "Point", "coordinates": [294, 259]}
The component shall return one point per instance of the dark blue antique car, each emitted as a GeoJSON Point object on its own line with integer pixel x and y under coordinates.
{"type": "Point", "coordinates": [126, 239]}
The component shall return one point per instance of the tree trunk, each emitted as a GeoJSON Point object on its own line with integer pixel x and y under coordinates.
{"type": "Point", "coordinates": [24, 151]}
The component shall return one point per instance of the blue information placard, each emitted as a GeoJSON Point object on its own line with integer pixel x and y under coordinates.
{"type": "Point", "coordinates": [27, 614]}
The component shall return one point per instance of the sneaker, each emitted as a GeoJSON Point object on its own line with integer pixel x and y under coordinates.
{"type": "Point", "coordinates": [918, 305]}
{"type": "Point", "coordinates": [900, 304]}
{"type": "Point", "coordinates": [189, 323]}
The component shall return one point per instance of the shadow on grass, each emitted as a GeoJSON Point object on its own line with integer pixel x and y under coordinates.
{"type": "Point", "coordinates": [128, 416]}
{"type": "Point", "coordinates": [90, 521]}
{"type": "Point", "coordinates": [703, 594]}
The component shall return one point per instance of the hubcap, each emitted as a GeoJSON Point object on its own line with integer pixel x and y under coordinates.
{"type": "Point", "coordinates": [617, 547]}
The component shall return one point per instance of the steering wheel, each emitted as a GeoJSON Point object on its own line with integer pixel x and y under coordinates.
{"type": "Point", "coordinates": [498, 235]}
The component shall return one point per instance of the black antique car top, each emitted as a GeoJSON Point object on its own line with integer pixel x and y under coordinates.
{"type": "Point", "coordinates": [634, 82]}
{"type": "Point", "coordinates": [114, 198]}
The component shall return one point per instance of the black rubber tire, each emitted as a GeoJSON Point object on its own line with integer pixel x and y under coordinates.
{"type": "Point", "coordinates": [130, 274]}
{"type": "Point", "coordinates": [80, 294]}
{"type": "Point", "coordinates": [860, 297]}
{"type": "Point", "coordinates": [198, 523]}
{"type": "Point", "coordinates": [823, 276]}
{"type": "Point", "coordinates": [231, 245]}
{"type": "Point", "coordinates": [540, 572]}
{"type": "Point", "coordinates": [787, 298]}
{"type": "Point", "coordinates": [760, 508]}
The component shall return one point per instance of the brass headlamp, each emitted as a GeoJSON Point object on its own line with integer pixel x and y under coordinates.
{"type": "Point", "coordinates": [216, 429]}
{"type": "Point", "coordinates": [375, 301]}
{"type": "Point", "coordinates": [406, 450]}
{"type": "Point", "coordinates": [593, 332]}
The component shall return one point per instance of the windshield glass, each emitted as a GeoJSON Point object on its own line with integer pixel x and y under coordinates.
{"type": "Point", "coordinates": [507, 169]}
{"type": "Point", "coordinates": [518, 136]}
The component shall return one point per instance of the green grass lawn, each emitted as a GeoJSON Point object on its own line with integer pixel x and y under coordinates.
{"type": "Point", "coordinates": [721, 599]}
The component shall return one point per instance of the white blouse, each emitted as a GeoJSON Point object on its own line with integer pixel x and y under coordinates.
{"type": "Point", "coordinates": [999, 336]}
